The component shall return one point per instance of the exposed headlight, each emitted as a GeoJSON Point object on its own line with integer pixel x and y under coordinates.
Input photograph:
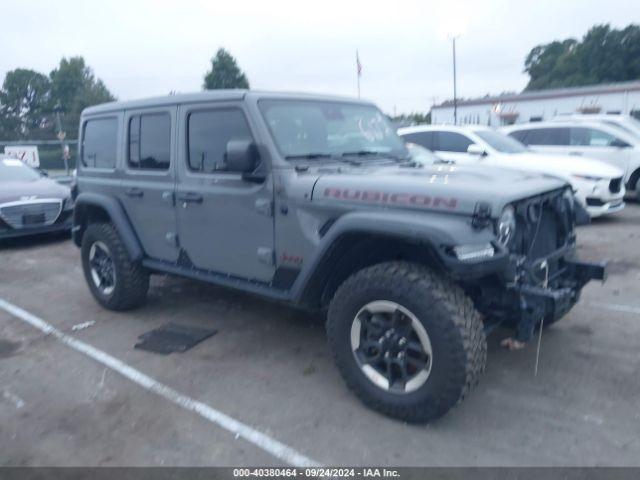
{"type": "Point", "coordinates": [506, 225]}
{"type": "Point", "coordinates": [587, 177]}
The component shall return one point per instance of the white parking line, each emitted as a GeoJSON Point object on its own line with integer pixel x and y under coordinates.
{"type": "Point", "coordinates": [616, 307]}
{"type": "Point", "coordinates": [259, 439]}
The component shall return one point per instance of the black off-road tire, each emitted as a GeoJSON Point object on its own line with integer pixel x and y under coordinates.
{"type": "Point", "coordinates": [454, 327]}
{"type": "Point", "coordinates": [132, 280]}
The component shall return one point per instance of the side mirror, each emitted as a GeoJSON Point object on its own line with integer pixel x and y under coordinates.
{"type": "Point", "coordinates": [44, 173]}
{"type": "Point", "coordinates": [475, 149]}
{"type": "Point", "coordinates": [241, 156]}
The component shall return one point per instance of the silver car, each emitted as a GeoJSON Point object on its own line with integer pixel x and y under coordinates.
{"type": "Point", "coordinates": [31, 203]}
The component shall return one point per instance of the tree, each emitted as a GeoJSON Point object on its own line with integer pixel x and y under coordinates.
{"type": "Point", "coordinates": [224, 73]}
{"type": "Point", "coordinates": [24, 100]}
{"type": "Point", "coordinates": [74, 88]}
{"type": "Point", "coordinates": [603, 55]}
{"type": "Point", "coordinates": [414, 118]}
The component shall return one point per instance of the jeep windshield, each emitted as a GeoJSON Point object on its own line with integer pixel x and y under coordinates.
{"type": "Point", "coordinates": [12, 170]}
{"type": "Point", "coordinates": [316, 130]}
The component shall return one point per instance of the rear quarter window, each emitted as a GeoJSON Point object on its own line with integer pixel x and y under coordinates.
{"type": "Point", "coordinates": [520, 135]}
{"type": "Point", "coordinates": [424, 139]}
{"type": "Point", "coordinates": [100, 143]}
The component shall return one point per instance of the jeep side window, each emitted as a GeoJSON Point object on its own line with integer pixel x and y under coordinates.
{"type": "Point", "coordinates": [424, 139]}
{"type": "Point", "coordinates": [150, 141]}
{"type": "Point", "coordinates": [209, 132]}
{"type": "Point", "coordinates": [452, 142]}
{"type": "Point", "coordinates": [99, 143]}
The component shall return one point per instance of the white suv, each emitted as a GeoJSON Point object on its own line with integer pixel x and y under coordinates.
{"type": "Point", "coordinates": [584, 138]}
{"type": "Point", "coordinates": [626, 123]}
{"type": "Point", "coordinates": [597, 185]}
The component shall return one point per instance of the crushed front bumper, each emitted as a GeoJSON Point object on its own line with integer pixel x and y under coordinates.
{"type": "Point", "coordinates": [542, 302]}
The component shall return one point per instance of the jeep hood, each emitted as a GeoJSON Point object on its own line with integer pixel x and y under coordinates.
{"type": "Point", "coordinates": [40, 188]}
{"type": "Point", "coordinates": [445, 188]}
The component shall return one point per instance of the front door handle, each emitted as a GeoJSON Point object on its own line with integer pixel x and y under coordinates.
{"type": "Point", "coordinates": [189, 197]}
{"type": "Point", "coordinates": [575, 153]}
{"type": "Point", "coordinates": [134, 192]}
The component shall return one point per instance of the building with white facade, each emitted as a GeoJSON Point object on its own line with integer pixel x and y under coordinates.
{"type": "Point", "coordinates": [542, 105]}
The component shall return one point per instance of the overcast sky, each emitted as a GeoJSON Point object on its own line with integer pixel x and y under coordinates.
{"type": "Point", "coordinates": [143, 48]}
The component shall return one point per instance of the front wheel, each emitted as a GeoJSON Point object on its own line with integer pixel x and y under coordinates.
{"type": "Point", "coordinates": [408, 342]}
{"type": "Point", "coordinates": [115, 281]}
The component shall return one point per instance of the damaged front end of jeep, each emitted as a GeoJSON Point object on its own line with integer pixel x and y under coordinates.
{"type": "Point", "coordinates": [537, 277]}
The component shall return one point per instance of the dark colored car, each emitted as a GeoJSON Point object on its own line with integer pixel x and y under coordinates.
{"type": "Point", "coordinates": [31, 203]}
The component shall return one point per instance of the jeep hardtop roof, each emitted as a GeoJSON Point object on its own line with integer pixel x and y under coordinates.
{"type": "Point", "coordinates": [215, 95]}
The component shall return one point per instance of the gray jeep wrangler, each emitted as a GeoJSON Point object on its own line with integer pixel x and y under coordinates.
{"type": "Point", "coordinates": [313, 200]}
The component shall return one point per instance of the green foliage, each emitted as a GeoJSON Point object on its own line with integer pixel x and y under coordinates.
{"type": "Point", "coordinates": [224, 73]}
{"type": "Point", "coordinates": [30, 100]}
{"type": "Point", "coordinates": [414, 118]}
{"type": "Point", "coordinates": [603, 55]}
{"type": "Point", "coordinates": [74, 88]}
{"type": "Point", "coordinates": [23, 102]}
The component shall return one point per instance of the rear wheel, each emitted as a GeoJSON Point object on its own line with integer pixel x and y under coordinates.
{"type": "Point", "coordinates": [408, 342]}
{"type": "Point", "coordinates": [115, 281]}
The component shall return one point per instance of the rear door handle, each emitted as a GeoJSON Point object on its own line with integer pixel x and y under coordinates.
{"type": "Point", "coordinates": [134, 192]}
{"type": "Point", "coordinates": [575, 153]}
{"type": "Point", "coordinates": [189, 197]}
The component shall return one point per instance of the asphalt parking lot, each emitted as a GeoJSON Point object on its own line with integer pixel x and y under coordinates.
{"type": "Point", "coordinates": [269, 368]}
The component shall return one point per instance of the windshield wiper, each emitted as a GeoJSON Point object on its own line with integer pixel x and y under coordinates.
{"type": "Point", "coordinates": [316, 156]}
{"type": "Point", "coordinates": [308, 156]}
{"type": "Point", "coordinates": [374, 153]}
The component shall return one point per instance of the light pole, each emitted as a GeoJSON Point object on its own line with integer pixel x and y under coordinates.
{"type": "Point", "coordinates": [455, 82]}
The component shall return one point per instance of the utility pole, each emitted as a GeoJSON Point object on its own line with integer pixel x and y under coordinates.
{"type": "Point", "coordinates": [61, 136]}
{"type": "Point", "coordinates": [455, 85]}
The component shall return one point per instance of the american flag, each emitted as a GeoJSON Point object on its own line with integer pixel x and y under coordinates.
{"type": "Point", "coordinates": [358, 64]}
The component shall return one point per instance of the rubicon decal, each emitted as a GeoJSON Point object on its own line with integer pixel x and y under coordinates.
{"type": "Point", "coordinates": [391, 198]}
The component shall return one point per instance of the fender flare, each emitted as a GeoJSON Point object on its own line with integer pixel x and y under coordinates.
{"type": "Point", "coordinates": [434, 230]}
{"type": "Point", "coordinates": [114, 210]}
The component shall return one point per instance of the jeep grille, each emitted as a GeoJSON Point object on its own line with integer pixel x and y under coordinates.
{"type": "Point", "coordinates": [544, 224]}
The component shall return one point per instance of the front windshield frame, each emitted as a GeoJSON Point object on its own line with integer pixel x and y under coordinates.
{"type": "Point", "coordinates": [12, 166]}
{"type": "Point", "coordinates": [394, 150]}
{"type": "Point", "coordinates": [500, 142]}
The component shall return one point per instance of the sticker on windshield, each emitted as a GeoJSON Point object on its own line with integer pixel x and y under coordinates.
{"type": "Point", "coordinates": [10, 162]}
{"type": "Point", "coordinates": [374, 129]}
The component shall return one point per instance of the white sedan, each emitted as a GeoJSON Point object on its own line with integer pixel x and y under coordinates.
{"type": "Point", "coordinates": [598, 186]}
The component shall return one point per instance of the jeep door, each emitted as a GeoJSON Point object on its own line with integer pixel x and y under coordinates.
{"type": "Point", "coordinates": [148, 184]}
{"type": "Point", "coordinates": [225, 223]}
